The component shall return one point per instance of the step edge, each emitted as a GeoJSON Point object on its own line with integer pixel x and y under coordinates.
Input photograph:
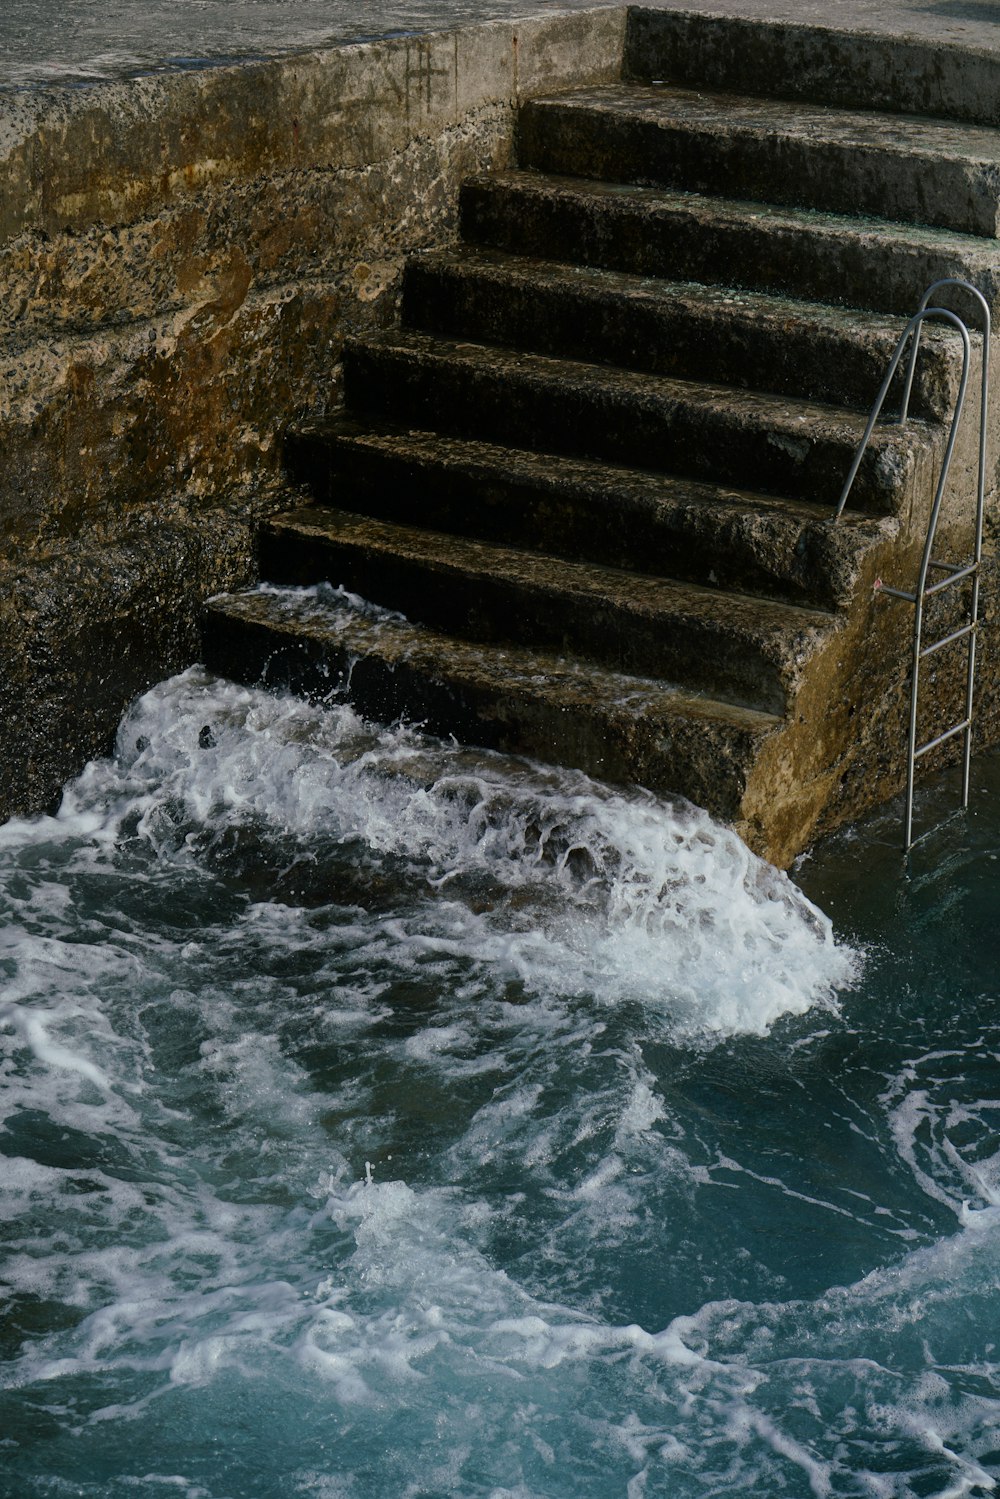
{"type": "Point", "coordinates": [408, 342]}
{"type": "Point", "coordinates": [557, 184]}
{"type": "Point", "coordinates": [636, 690]}
{"type": "Point", "coordinates": [344, 429]}
{"type": "Point", "coordinates": [615, 99]}
{"type": "Point", "coordinates": [589, 576]}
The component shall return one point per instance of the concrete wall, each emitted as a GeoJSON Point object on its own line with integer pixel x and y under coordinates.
{"type": "Point", "coordinates": [181, 257]}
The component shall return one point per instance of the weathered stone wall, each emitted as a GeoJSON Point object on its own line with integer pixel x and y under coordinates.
{"type": "Point", "coordinates": [181, 258]}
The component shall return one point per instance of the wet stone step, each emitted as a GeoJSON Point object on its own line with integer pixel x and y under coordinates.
{"type": "Point", "coordinates": [910, 168]}
{"type": "Point", "coordinates": [617, 727]}
{"type": "Point", "coordinates": [697, 332]}
{"type": "Point", "coordinates": [821, 64]}
{"type": "Point", "coordinates": [857, 262]}
{"type": "Point", "coordinates": [586, 510]}
{"type": "Point", "coordinates": [799, 449]}
{"type": "Point", "coordinates": [749, 651]}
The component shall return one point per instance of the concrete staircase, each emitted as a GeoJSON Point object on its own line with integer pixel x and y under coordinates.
{"type": "Point", "coordinates": [594, 468]}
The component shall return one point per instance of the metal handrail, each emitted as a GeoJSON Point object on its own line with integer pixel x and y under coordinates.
{"type": "Point", "coordinates": [956, 572]}
{"type": "Point", "coordinates": [911, 329]}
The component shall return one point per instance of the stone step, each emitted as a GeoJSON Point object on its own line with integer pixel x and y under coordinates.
{"type": "Point", "coordinates": [909, 168]}
{"type": "Point", "coordinates": [792, 59]}
{"type": "Point", "coordinates": [620, 728]}
{"type": "Point", "coordinates": [701, 431]}
{"type": "Point", "coordinates": [730, 337]}
{"type": "Point", "coordinates": [749, 651]}
{"type": "Point", "coordinates": [585, 510]}
{"type": "Point", "coordinates": [872, 263]}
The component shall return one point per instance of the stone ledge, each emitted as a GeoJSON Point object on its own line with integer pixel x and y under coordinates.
{"type": "Point", "coordinates": [181, 258]}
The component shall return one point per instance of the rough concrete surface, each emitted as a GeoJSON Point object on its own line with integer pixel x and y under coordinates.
{"type": "Point", "coordinates": [747, 652]}
{"type": "Point", "coordinates": [928, 57]}
{"type": "Point", "coordinates": [686, 329]}
{"type": "Point", "coordinates": [181, 257]}
{"type": "Point", "coordinates": [871, 263]}
{"type": "Point", "coordinates": [629, 518]}
{"type": "Point", "coordinates": [621, 728]}
{"type": "Point", "coordinates": [953, 30]}
{"type": "Point", "coordinates": [184, 257]}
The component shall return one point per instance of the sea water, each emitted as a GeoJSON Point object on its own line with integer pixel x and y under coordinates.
{"type": "Point", "coordinates": [382, 1118]}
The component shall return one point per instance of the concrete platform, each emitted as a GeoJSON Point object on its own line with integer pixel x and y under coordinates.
{"type": "Point", "coordinates": [973, 26]}
{"type": "Point", "coordinates": [668, 382]}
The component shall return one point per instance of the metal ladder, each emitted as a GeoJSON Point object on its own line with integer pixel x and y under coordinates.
{"type": "Point", "coordinates": [954, 573]}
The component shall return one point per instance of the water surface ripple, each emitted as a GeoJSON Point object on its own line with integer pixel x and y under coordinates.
{"type": "Point", "coordinates": [380, 1119]}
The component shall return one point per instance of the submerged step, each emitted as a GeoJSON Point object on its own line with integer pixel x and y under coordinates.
{"type": "Point", "coordinates": [617, 727]}
{"type": "Point", "coordinates": [911, 168]}
{"type": "Point", "coordinates": [751, 651]}
{"type": "Point", "coordinates": [697, 332]}
{"type": "Point", "coordinates": [872, 263]}
{"type": "Point", "coordinates": [586, 510]}
{"type": "Point", "coordinates": [796, 448]}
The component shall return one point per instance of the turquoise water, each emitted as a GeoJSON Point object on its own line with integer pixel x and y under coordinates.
{"type": "Point", "coordinates": [380, 1119]}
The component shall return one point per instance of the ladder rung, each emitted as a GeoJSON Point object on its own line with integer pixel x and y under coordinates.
{"type": "Point", "coordinates": [936, 828]}
{"type": "Point", "coordinates": [969, 629]}
{"type": "Point", "coordinates": [955, 575]}
{"type": "Point", "coordinates": [948, 734]}
{"type": "Point", "coordinates": [898, 593]}
{"type": "Point", "coordinates": [951, 579]}
{"type": "Point", "coordinates": [953, 572]}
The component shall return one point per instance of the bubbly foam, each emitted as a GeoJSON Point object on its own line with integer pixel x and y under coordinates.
{"type": "Point", "coordinates": [567, 884]}
{"type": "Point", "coordinates": [384, 1119]}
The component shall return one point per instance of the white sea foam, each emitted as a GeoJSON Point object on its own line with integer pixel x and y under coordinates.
{"type": "Point", "coordinates": [753, 1391]}
{"type": "Point", "coordinates": [857, 1348]}
{"type": "Point", "coordinates": [567, 884]}
{"type": "Point", "coordinates": [408, 1161]}
{"type": "Point", "coordinates": [928, 1105]}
